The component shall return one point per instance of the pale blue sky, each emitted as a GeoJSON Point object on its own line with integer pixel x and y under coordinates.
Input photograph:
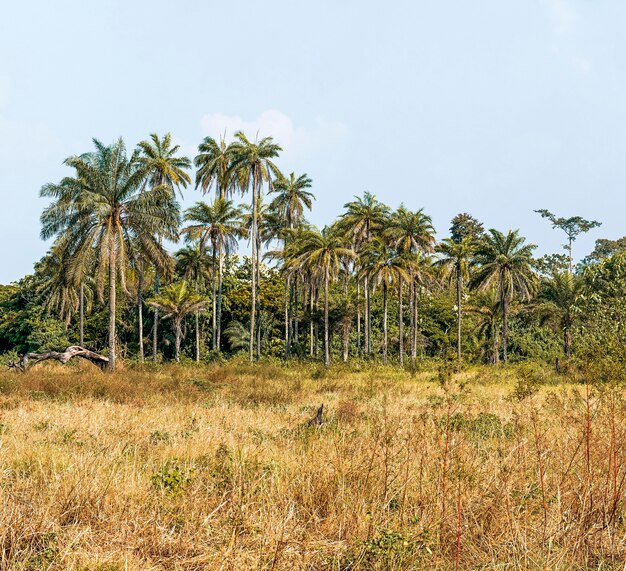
{"type": "Point", "coordinates": [492, 107]}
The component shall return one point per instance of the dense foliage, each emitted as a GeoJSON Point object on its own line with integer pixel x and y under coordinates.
{"type": "Point", "coordinates": [374, 284]}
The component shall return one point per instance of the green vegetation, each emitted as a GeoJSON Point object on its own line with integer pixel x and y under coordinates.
{"type": "Point", "coordinates": [375, 284]}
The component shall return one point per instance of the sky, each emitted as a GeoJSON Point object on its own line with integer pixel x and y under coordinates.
{"type": "Point", "coordinates": [488, 107]}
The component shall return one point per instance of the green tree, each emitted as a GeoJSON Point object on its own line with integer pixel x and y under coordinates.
{"type": "Point", "coordinates": [102, 212]}
{"type": "Point", "coordinates": [557, 303]}
{"type": "Point", "coordinates": [364, 218]}
{"type": "Point", "coordinates": [252, 165]}
{"type": "Point", "coordinates": [161, 166]}
{"type": "Point", "coordinates": [177, 302]}
{"type": "Point", "coordinates": [385, 265]}
{"type": "Point", "coordinates": [219, 224]}
{"type": "Point", "coordinates": [213, 162]}
{"type": "Point", "coordinates": [192, 262]}
{"type": "Point", "coordinates": [571, 226]}
{"type": "Point", "coordinates": [506, 262]}
{"type": "Point", "coordinates": [466, 226]}
{"type": "Point", "coordinates": [454, 262]}
{"type": "Point", "coordinates": [323, 253]}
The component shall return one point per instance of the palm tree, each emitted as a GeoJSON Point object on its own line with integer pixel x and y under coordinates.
{"type": "Point", "coordinates": [289, 204]}
{"type": "Point", "coordinates": [454, 262]}
{"type": "Point", "coordinates": [486, 306]}
{"type": "Point", "coordinates": [363, 219]}
{"type": "Point", "coordinates": [557, 303]}
{"type": "Point", "coordinates": [384, 264]}
{"type": "Point", "coordinates": [102, 213]}
{"type": "Point", "coordinates": [161, 166]}
{"type": "Point", "coordinates": [323, 253]}
{"type": "Point", "coordinates": [220, 224]}
{"type": "Point", "coordinates": [177, 302]}
{"type": "Point", "coordinates": [506, 262]}
{"type": "Point", "coordinates": [252, 165]}
{"type": "Point", "coordinates": [193, 264]}
{"type": "Point", "coordinates": [413, 234]}
{"type": "Point", "coordinates": [213, 162]}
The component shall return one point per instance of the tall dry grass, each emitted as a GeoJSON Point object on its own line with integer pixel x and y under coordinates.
{"type": "Point", "coordinates": [184, 468]}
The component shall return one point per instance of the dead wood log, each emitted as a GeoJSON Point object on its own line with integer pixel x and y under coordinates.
{"type": "Point", "coordinates": [317, 420]}
{"type": "Point", "coordinates": [31, 359]}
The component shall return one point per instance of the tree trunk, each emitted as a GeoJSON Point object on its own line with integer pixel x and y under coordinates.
{"type": "Point", "coordinates": [411, 316]}
{"type": "Point", "coordinates": [384, 322]}
{"type": "Point", "coordinates": [219, 297]}
{"type": "Point", "coordinates": [401, 321]}
{"type": "Point", "coordinates": [326, 337]}
{"type": "Point", "coordinates": [358, 317]}
{"type": "Point", "coordinates": [82, 315]}
{"type": "Point", "coordinates": [155, 327]}
{"type": "Point", "coordinates": [311, 326]}
{"type": "Point", "coordinates": [295, 310]}
{"type": "Point", "coordinates": [287, 316]}
{"type": "Point", "coordinates": [368, 321]}
{"type": "Point", "coordinates": [112, 300]}
{"type": "Point", "coordinates": [197, 337]}
{"type": "Point", "coordinates": [178, 335]}
{"type": "Point", "coordinates": [416, 327]}
{"type": "Point", "coordinates": [253, 267]}
{"type": "Point", "coordinates": [258, 296]}
{"type": "Point", "coordinates": [505, 323]}
{"type": "Point", "coordinates": [458, 313]}
{"type": "Point", "coordinates": [567, 342]}
{"type": "Point", "coordinates": [140, 314]}
{"type": "Point", "coordinates": [213, 299]}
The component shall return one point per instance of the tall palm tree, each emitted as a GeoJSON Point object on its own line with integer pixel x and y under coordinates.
{"type": "Point", "coordinates": [192, 262]}
{"type": "Point", "coordinates": [323, 253]}
{"type": "Point", "coordinates": [102, 212]}
{"type": "Point", "coordinates": [412, 233]}
{"type": "Point", "coordinates": [385, 265]}
{"type": "Point", "coordinates": [364, 218]}
{"type": "Point", "coordinates": [289, 204]}
{"type": "Point", "coordinates": [219, 224]}
{"type": "Point", "coordinates": [162, 166]}
{"type": "Point", "coordinates": [454, 262]}
{"type": "Point", "coordinates": [252, 165]}
{"type": "Point", "coordinates": [506, 262]}
{"type": "Point", "coordinates": [213, 162]}
{"type": "Point", "coordinates": [557, 303]}
{"type": "Point", "coordinates": [486, 306]}
{"type": "Point", "coordinates": [177, 302]}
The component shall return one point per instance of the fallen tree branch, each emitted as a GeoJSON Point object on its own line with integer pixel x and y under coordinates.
{"type": "Point", "coordinates": [31, 359]}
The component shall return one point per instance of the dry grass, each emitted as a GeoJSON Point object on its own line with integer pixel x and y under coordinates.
{"type": "Point", "coordinates": [215, 468]}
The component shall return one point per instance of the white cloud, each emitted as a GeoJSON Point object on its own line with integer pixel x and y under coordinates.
{"type": "Point", "coordinates": [296, 141]}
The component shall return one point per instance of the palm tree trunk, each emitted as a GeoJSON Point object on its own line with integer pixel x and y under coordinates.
{"type": "Point", "coordinates": [384, 323]}
{"type": "Point", "coordinates": [416, 325]}
{"type": "Point", "coordinates": [287, 315]}
{"type": "Point", "coordinates": [368, 320]}
{"type": "Point", "coordinates": [82, 315]}
{"type": "Point", "coordinates": [346, 320]}
{"type": "Point", "coordinates": [112, 300]}
{"type": "Point", "coordinates": [140, 314]}
{"type": "Point", "coordinates": [505, 324]}
{"type": "Point", "coordinates": [214, 299]}
{"type": "Point", "coordinates": [311, 319]}
{"type": "Point", "coordinates": [197, 338]}
{"type": "Point", "coordinates": [567, 342]}
{"type": "Point", "coordinates": [458, 313]}
{"type": "Point", "coordinates": [412, 317]}
{"type": "Point", "coordinates": [178, 335]}
{"type": "Point", "coordinates": [401, 320]}
{"type": "Point", "coordinates": [326, 336]}
{"type": "Point", "coordinates": [219, 297]}
{"type": "Point", "coordinates": [358, 316]}
{"type": "Point", "coordinates": [258, 296]}
{"type": "Point", "coordinates": [295, 310]}
{"type": "Point", "coordinates": [253, 268]}
{"type": "Point", "coordinates": [155, 327]}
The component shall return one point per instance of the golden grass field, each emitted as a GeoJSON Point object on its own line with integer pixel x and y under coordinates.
{"type": "Point", "coordinates": [190, 468]}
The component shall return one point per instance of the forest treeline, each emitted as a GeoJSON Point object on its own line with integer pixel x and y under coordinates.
{"type": "Point", "coordinates": [375, 284]}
